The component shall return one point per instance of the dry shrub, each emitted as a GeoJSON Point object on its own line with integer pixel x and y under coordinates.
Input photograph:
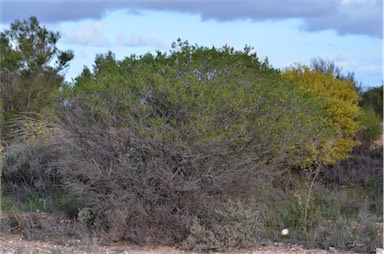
{"type": "Point", "coordinates": [341, 217]}
{"type": "Point", "coordinates": [30, 170]}
{"type": "Point", "coordinates": [220, 226]}
{"type": "Point", "coordinates": [365, 166]}
{"type": "Point", "coordinates": [147, 190]}
{"type": "Point", "coordinates": [157, 141]}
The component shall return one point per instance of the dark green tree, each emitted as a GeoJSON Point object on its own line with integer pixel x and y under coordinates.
{"type": "Point", "coordinates": [31, 67]}
{"type": "Point", "coordinates": [373, 98]}
{"type": "Point", "coordinates": [372, 117]}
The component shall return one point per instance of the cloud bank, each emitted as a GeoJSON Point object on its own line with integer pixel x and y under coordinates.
{"type": "Point", "coordinates": [364, 17]}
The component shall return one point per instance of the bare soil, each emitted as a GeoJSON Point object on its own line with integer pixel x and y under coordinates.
{"type": "Point", "coordinates": [378, 143]}
{"type": "Point", "coordinates": [15, 243]}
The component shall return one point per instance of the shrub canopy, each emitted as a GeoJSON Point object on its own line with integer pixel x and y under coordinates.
{"type": "Point", "coordinates": [339, 99]}
{"type": "Point", "coordinates": [198, 96]}
{"type": "Point", "coordinates": [159, 134]}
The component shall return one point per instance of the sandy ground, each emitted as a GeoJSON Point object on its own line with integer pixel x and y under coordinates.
{"type": "Point", "coordinates": [13, 243]}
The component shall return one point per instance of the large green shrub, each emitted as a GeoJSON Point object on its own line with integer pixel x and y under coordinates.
{"type": "Point", "coordinates": [206, 95]}
{"type": "Point", "coordinates": [159, 134]}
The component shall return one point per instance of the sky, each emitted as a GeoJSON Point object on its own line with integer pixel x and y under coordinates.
{"type": "Point", "coordinates": [348, 32]}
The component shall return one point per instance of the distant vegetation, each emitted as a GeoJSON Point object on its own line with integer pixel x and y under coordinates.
{"type": "Point", "coordinates": [201, 148]}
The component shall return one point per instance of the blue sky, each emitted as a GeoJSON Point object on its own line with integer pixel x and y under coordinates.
{"type": "Point", "coordinates": [349, 32]}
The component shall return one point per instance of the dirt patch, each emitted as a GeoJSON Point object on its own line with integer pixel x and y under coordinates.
{"type": "Point", "coordinates": [14, 243]}
{"type": "Point", "coordinates": [378, 142]}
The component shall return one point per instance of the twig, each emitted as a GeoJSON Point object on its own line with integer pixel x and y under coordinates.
{"type": "Point", "coordinates": [310, 193]}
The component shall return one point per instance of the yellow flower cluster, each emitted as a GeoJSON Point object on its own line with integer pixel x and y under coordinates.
{"type": "Point", "coordinates": [340, 102]}
{"type": "Point", "coordinates": [33, 130]}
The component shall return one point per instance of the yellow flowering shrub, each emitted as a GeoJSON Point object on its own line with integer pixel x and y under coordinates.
{"type": "Point", "coordinates": [340, 100]}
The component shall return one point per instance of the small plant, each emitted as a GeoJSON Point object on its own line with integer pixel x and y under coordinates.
{"type": "Point", "coordinates": [14, 217]}
{"type": "Point", "coordinates": [227, 225]}
{"type": "Point", "coordinates": [92, 244]}
{"type": "Point", "coordinates": [86, 216]}
{"type": "Point", "coordinates": [56, 250]}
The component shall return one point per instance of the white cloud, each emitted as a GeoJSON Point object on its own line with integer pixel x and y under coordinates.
{"type": "Point", "coordinates": [140, 41]}
{"type": "Point", "coordinates": [350, 2]}
{"type": "Point", "coordinates": [89, 34]}
{"type": "Point", "coordinates": [121, 40]}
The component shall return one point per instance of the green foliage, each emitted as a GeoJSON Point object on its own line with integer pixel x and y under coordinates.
{"type": "Point", "coordinates": [373, 99]}
{"type": "Point", "coordinates": [30, 67]}
{"type": "Point", "coordinates": [372, 128]}
{"type": "Point", "coordinates": [200, 95]}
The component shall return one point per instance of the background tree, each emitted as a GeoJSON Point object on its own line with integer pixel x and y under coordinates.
{"type": "Point", "coordinates": [373, 98]}
{"type": "Point", "coordinates": [329, 67]}
{"type": "Point", "coordinates": [31, 67]}
{"type": "Point", "coordinates": [372, 116]}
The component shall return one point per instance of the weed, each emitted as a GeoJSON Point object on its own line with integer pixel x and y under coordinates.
{"type": "Point", "coordinates": [223, 226]}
